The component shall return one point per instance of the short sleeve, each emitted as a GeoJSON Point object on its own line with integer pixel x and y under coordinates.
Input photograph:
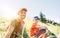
{"type": "Point", "coordinates": [13, 23]}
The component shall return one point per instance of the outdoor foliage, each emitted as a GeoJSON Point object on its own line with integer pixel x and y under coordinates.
{"type": "Point", "coordinates": [42, 17]}
{"type": "Point", "coordinates": [4, 24]}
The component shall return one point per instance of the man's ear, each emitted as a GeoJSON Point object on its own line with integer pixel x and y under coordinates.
{"type": "Point", "coordinates": [18, 13]}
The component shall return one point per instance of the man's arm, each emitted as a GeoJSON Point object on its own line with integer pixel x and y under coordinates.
{"type": "Point", "coordinates": [9, 30]}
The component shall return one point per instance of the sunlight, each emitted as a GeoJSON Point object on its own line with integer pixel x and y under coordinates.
{"type": "Point", "coordinates": [8, 12]}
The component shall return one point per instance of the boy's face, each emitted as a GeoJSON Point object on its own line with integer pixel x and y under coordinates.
{"type": "Point", "coordinates": [22, 14]}
{"type": "Point", "coordinates": [36, 20]}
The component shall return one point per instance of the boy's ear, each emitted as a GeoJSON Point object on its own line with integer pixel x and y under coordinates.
{"type": "Point", "coordinates": [33, 20]}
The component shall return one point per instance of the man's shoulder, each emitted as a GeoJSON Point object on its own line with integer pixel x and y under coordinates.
{"type": "Point", "coordinates": [14, 22]}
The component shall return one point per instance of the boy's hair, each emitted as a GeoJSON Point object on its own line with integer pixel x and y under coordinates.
{"type": "Point", "coordinates": [36, 17]}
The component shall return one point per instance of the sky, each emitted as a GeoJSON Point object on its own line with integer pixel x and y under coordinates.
{"type": "Point", "coordinates": [51, 8]}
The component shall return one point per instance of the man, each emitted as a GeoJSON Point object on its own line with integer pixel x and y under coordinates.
{"type": "Point", "coordinates": [37, 31]}
{"type": "Point", "coordinates": [17, 28]}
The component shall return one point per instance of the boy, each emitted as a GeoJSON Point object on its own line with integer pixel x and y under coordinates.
{"type": "Point", "coordinates": [37, 31]}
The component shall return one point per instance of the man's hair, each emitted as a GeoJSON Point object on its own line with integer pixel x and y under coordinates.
{"type": "Point", "coordinates": [23, 9]}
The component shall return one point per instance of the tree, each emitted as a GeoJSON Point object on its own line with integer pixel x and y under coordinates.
{"type": "Point", "coordinates": [42, 17]}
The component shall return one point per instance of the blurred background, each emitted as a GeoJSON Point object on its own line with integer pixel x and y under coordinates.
{"type": "Point", "coordinates": [47, 10]}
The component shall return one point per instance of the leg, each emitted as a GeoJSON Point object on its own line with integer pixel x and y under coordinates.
{"type": "Point", "coordinates": [41, 36]}
{"type": "Point", "coordinates": [44, 36]}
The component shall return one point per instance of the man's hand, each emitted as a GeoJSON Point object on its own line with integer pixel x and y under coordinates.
{"type": "Point", "coordinates": [9, 31]}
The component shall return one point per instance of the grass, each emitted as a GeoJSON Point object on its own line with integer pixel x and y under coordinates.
{"type": "Point", "coordinates": [28, 23]}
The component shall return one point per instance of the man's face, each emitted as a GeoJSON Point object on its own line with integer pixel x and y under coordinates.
{"type": "Point", "coordinates": [22, 14]}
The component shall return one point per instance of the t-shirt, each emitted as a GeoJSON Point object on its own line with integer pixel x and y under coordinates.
{"type": "Point", "coordinates": [33, 29]}
{"type": "Point", "coordinates": [18, 29]}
